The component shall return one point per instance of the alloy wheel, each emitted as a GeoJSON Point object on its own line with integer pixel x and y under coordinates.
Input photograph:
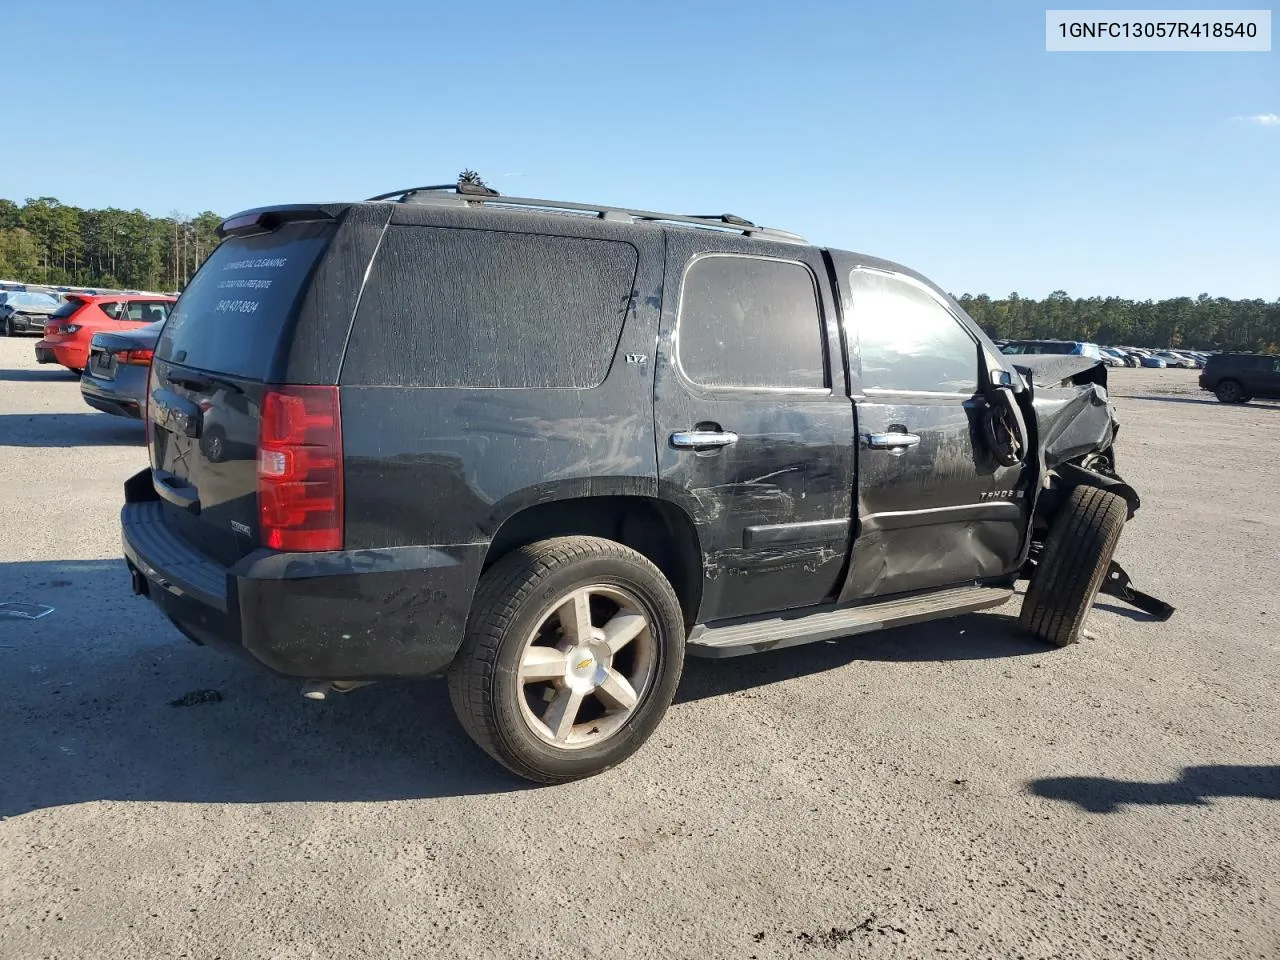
{"type": "Point", "coordinates": [586, 666]}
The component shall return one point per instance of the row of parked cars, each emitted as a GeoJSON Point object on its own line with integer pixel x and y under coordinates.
{"type": "Point", "coordinates": [106, 338]}
{"type": "Point", "coordinates": [1111, 356]}
{"type": "Point", "coordinates": [1231, 377]}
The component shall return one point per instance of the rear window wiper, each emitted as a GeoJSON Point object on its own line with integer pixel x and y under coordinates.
{"type": "Point", "coordinates": [201, 381]}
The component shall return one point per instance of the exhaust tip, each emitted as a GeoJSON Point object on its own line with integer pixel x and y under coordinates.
{"type": "Point", "coordinates": [320, 689]}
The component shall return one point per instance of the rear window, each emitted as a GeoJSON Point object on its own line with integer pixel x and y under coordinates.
{"type": "Point", "coordinates": [230, 316]}
{"type": "Point", "coordinates": [480, 308]}
{"type": "Point", "coordinates": [67, 309]}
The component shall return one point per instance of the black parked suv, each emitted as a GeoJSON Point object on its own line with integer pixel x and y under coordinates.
{"type": "Point", "coordinates": [1239, 377]}
{"type": "Point", "coordinates": [549, 449]}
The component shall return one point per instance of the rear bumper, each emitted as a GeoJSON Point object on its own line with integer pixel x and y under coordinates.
{"type": "Point", "coordinates": [344, 615]}
{"type": "Point", "coordinates": [69, 355]}
{"type": "Point", "coordinates": [117, 397]}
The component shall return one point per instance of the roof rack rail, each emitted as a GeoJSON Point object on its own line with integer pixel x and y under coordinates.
{"type": "Point", "coordinates": [476, 194]}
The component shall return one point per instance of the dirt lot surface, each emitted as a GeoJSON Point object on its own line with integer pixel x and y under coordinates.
{"type": "Point", "coordinates": [947, 790]}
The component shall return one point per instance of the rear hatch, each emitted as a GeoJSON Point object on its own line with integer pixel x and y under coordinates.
{"type": "Point", "coordinates": [218, 353]}
{"type": "Point", "coordinates": [60, 319]}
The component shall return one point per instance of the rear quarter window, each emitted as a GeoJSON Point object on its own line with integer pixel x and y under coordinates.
{"type": "Point", "coordinates": [480, 308]}
{"type": "Point", "coordinates": [232, 314]}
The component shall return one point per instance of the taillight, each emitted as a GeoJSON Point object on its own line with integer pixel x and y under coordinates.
{"type": "Point", "coordinates": [137, 358]}
{"type": "Point", "coordinates": [146, 409]}
{"type": "Point", "coordinates": [300, 469]}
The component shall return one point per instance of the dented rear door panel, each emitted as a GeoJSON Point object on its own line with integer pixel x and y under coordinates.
{"type": "Point", "coordinates": [772, 509]}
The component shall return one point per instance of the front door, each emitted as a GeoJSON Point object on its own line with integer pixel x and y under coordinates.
{"type": "Point", "coordinates": [934, 507]}
{"type": "Point", "coordinates": [755, 434]}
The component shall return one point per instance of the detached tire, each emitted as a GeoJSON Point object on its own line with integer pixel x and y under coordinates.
{"type": "Point", "coordinates": [1075, 558]}
{"type": "Point", "coordinates": [572, 655]}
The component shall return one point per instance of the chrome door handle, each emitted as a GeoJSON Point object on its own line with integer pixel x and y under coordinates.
{"type": "Point", "coordinates": [703, 438]}
{"type": "Point", "coordinates": [891, 441]}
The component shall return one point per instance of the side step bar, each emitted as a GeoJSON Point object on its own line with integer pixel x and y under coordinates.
{"type": "Point", "coordinates": [735, 638]}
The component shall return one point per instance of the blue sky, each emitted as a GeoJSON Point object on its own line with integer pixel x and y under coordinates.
{"type": "Point", "coordinates": [940, 134]}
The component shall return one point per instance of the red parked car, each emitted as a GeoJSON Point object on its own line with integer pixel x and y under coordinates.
{"type": "Point", "coordinates": [67, 333]}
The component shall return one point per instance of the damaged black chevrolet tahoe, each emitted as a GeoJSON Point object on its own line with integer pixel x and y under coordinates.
{"type": "Point", "coordinates": [550, 449]}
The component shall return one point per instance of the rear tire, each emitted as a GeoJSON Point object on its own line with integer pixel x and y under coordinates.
{"type": "Point", "coordinates": [1230, 391]}
{"type": "Point", "coordinates": [1075, 558]}
{"type": "Point", "coordinates": [572, 655]}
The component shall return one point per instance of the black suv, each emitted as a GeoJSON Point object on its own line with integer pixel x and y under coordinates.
{"type": "Point", "coordinates": [1239, 377]}
{"type": "Point", "coordinates": [549, 449]}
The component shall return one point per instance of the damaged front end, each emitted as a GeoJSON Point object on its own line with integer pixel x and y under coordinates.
{"type": "Point", "coordinates": [1074, 427]}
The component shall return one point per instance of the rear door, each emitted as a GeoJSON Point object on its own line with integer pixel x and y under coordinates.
{"type": "Point", "coordinates": [934, 508]}
{"type": "Point", "coordinates": [224, 340]}
{"type": "Point", "coordinates": [754, 423]}
{"type": "Point", "coordinates": [1263, 376]}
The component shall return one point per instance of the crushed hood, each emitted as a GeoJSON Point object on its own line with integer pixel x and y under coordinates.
{"type": "Point", "coordinates": [1049, 369]}
{"type": "Point", "coordinates": [1074, 414]}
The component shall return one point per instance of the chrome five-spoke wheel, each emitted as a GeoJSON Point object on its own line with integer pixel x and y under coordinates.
{"type": "Point", "coordinates": [585, 666]}
{"type": "Point", "coordinates": [573, 651]}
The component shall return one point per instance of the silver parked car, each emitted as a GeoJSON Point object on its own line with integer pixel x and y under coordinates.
{"type": "Point", "coordinates": [115, 379]}
{"type": "Point", "coordinates": [25, 311]}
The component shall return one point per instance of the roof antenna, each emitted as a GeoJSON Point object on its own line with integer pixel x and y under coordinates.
{"type": "Point", "coordinates": [470, 182]}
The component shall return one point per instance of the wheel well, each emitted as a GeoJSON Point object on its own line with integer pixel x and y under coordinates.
{"type": "Point", "coordinates": [659, 530]}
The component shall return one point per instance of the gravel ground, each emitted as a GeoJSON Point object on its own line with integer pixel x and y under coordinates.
{"type": "Point", "coordinates": [950, 789]}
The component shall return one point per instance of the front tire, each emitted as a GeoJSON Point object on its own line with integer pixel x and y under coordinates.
{"type": "Point", "coordinates": [572, 655]}
{"type": "Point", "coordinates": [1070, 569]}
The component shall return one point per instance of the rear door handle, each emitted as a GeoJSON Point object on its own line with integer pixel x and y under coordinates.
{"type": "Point", "coordinates": [891, 441]}
{"type": "Point", "coordinates": [697, 439]}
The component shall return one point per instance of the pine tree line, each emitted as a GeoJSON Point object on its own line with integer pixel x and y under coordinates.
{"type": "Point", "coordinates": [45, 241]}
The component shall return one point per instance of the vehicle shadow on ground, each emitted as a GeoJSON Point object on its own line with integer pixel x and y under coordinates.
{"type": "Point", "coordinates": [90, 429]}
{"type": "Point", "coordinates": [969, 637]}
{"type": "Point", "coordinates": [1122, 611]}
{"type": "Point", "coordinates": [87, 714]}
{"type": "Point", "coordinates": [1210, 402]}
{"type": "Point", "coordinates": [56, 375]}
{"type": "Point", "coordinates": [1196, 786]}
{"type": "Point", "coordinates": [90, 710]}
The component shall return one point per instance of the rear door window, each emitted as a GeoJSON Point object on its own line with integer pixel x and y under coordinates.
{"type": "Point", "coordinates": [751, 322]}
{"type": "Point", "coordinates": [480, 308]}
{"type": "Point", "coordinates": [145, 311]}
{"type": "Point", "coordinates": [230, 317]}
